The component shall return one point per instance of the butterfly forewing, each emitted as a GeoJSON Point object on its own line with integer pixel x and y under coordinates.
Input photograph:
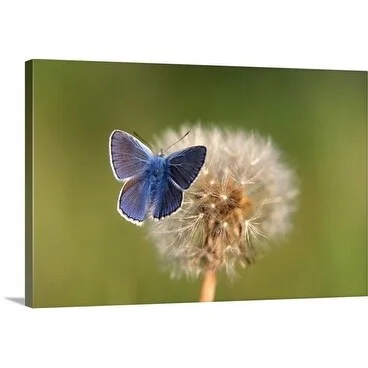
{"type": "Point", "coordinates": [128, 156]}
{"type": "Point", "coordinates": [185, 165]}
{"type": "Point", "coordinates": [168, 200]}
{"type": "Point", "coordinates": [134, 199]}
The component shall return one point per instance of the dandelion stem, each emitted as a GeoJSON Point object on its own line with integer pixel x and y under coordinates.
{"type": "Point", "coordinates": [208, 286]}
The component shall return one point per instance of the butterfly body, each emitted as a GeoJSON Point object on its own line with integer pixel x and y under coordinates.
{"type": "Point", "coordinates": [157, 174]}
{"type": "Point", "coordinates": [158, 169]}
{"type": "Point", "coordinates": [154, 183]}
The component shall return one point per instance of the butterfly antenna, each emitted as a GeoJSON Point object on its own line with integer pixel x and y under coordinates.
{"type": "Point", "coordinates": [178, 140]}
{"type": "Point", "coordinates": [143, 140]}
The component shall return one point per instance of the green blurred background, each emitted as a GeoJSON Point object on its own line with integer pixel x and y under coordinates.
{"type": "Point", "coordinates": [85, 253]}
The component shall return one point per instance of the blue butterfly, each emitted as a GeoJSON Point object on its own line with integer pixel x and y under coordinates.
{"type": "Point", "coordinates": [154, 184]}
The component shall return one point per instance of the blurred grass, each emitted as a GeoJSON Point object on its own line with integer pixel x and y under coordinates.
{"type": "Point", "coordinates": [86, 254]}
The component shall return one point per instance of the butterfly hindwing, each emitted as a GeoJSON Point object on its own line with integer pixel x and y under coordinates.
{"type": "Point", "coordinates": [134, 199]}
{"type": "Point", "coordinates": [185, 165]}
{"type": "Point", "coordinates": [128, 156]}
{"type": "Point", "coordinates": [169, 199]}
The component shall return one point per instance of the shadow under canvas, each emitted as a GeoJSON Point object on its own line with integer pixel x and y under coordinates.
{"type": "Point", "coordinates": [16, 299]}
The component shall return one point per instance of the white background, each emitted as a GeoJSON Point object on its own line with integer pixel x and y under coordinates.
{"type": "Point", "coordinates": [302, 333]}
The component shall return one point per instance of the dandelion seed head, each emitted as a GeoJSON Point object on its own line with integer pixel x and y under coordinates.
{"type": "Point", "coordinates": [241, 201]}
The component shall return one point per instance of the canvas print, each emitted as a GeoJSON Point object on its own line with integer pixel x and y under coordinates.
{"type": "Point", "coordinates": [157, 183]}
